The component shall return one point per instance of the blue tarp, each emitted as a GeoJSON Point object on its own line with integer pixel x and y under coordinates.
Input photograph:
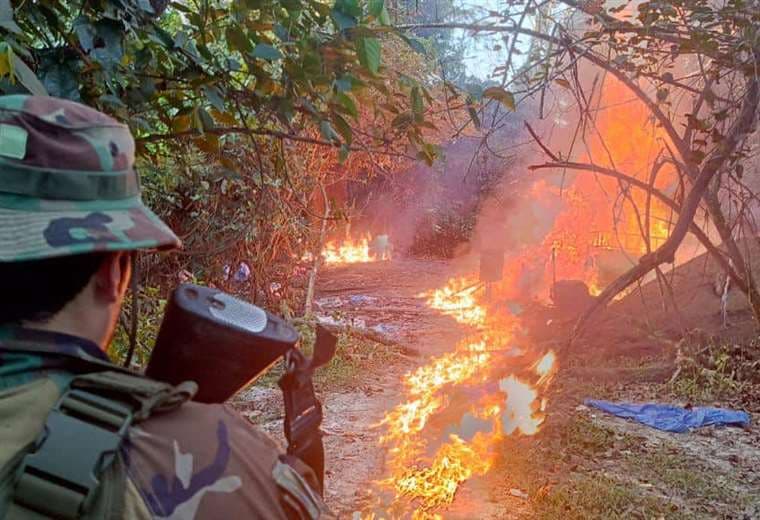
{"type": "Point", "coordinates": [671, 418]}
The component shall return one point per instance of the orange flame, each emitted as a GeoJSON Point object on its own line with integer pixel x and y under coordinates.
{"type": "Point", "coordinates": [477, 380]}
{"type": "Point", "coordinates": [457, 299]}
{"type": "Point", "coordinates": [596, 225]}
{"type": "Point", "coordinates": [348, 252]}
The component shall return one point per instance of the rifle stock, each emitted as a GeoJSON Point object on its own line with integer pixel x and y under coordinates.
{"type": "Point", "coordinates": [220, 342]}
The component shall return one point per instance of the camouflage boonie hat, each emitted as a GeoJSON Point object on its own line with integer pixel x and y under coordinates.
{"type": "Point", "coordinates": [68, 183]}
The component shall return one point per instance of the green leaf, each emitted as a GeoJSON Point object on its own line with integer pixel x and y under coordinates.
{"type": "Point", "coordinates": [29, 79]}
{"type": "Point", "coordinates": [342, 20]}
{"type": "Point", "coordinates": [85, 32]}
{"type": "Point", "coordinates": [384, 18]}
{"type": "Point", "coordinates": [203, 120]}
{"type": "Point", "coordinates": [328, 132]}
{"type": "Point", "coordinates": [375, 7]}
{"type": "Point", "coordinates": [415, 44]}
{"type": "Point", "coordinates": [266, 52]}
{"type": "Point", "coordinates": [214, 96]}
{"type": "Point", "coordinates": [292, 5]}
{"type": "Point", "coordinates": [502, 96]}
{"type": "Point", "coordinates": [343, 154]}
{"type": "Point", "coordinates": [110, 53]}
{"type": "Point", "coordinates": [429, 153]}
{"type": "Point", "coordinates": [348, 103]}
{"type": "Point", "coordinates": [368, 50]}
{"type": "Point", "coordinates": [349, 7]}
{"type": "Point", "coordinates": [343, 84]}
{"type": "Point", "coordinates": [6, 17]}
{"type": "Point", "coordinates": [344, 129]}
{"type": "Point", "coordinates": [418, 106]}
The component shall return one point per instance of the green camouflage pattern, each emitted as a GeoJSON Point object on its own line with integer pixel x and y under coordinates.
{"type": "Point", "coordinates": [197, 462]}
{"type": "Point", "coordinates": [68, 184]}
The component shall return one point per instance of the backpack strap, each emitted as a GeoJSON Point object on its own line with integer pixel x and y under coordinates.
{"type": "Point", "coordinates": [61, 477]}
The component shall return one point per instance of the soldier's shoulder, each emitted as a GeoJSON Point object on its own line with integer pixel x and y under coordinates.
{"type": "Point", "coordinates": [204, 461]}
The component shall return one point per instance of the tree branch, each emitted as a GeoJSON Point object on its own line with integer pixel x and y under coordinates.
{"type": "Point", "coordinates": [666, 252]}
{"type": "Point", "coordinates": [270, 133]}
{"type": "Point", "coordinates": [694, 229]}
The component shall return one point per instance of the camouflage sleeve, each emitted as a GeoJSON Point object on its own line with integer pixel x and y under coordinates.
{"type": "Point", "coordinates": [205, 461]}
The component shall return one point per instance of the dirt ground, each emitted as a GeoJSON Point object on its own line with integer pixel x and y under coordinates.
{"type": "Point", "coordinates": [583, 464]}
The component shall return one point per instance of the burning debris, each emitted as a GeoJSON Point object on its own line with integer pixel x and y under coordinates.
{"type": "Point", "coordinates": [355, 251]}
{"type": "Point", "coordinates": [460, 405]}
{"type": "Point", "coordinates": [457, 299]}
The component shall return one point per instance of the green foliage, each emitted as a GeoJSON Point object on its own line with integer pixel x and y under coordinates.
{"type": "Point", "coordinates": [227, 101]}
{"type": "Point", "coordinates": [265, 66]}
{"type": "Point", "coordinates": [708, 370]}
{"type": "Point", "coordinates": [600, 497]}
{"type": "Point", "coordinates": [151, 313]}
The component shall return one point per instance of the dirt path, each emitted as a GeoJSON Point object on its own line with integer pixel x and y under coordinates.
{"type": "Point", "coordinates": [383, 297]}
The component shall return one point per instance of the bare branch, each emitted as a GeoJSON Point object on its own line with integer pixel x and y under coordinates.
{"type": "Point", "coordinates": [666, 252]}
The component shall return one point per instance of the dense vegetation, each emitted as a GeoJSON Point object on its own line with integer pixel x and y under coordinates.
{"type": "Point", "coordinates": [244, 112]}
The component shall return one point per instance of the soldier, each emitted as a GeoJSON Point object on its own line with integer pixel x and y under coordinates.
{"type": "Point", "coordinates": [79, 436]}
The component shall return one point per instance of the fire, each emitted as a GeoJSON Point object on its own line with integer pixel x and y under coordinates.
{"type": "Point", "coordinates": [460, 405]}
{"type": "Point", "coordinates": [520, 402]}
{"type": "Point", "coordinates": [601, 228]}
{"type": "Point", "coordinates": [348, 252]}
{"type": "Point", "coordinates": [544, 367]}
{"type": "Point", "coordinates": [457, 299]}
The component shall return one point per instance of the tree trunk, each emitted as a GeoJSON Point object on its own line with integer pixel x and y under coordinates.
{"type": "Point", "coordinates": [749, 287]}
{"type": "Point", "coordinates": [317, 255]}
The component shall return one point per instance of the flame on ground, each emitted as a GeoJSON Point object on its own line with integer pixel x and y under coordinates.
{"type": "Point", "coordinates": [354, 251]}
{"type": "Point", "coordinates": [486, 381]}
{"type": "Point", "coordinates": [457, 299]}
{"type": "Point", "coordinates": [348, 252]}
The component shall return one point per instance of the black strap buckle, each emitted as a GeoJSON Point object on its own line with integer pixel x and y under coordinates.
{"type": "Point", "coordinates": [303, 411]}
{"type": "Point", "coordinates": [80, 440]}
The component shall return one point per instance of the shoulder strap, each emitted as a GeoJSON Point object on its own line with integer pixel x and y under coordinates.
{"type": "Point", "coordinates": [61, 477]}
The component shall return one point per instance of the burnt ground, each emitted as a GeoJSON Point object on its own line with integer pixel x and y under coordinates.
{"type": "Point", "coordinates": [583, 464]}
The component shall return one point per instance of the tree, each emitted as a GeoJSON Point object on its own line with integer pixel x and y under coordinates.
{"type": "Point", "coordinates": [207, 68]}
{"type": "Point", "coordinates": [232, 105]}
{"type": "Point", "coordinates": [647, 46]}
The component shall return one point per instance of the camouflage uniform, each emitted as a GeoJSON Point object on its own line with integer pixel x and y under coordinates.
{"type": "Point", "coordinates": [68, 186]}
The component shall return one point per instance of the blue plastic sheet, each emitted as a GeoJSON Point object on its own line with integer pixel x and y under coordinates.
{"type": "Point", "coordinates": [671, 418]}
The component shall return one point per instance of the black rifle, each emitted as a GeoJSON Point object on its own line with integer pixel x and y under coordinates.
{"type": "Point", "coordinates": [223, 344]}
